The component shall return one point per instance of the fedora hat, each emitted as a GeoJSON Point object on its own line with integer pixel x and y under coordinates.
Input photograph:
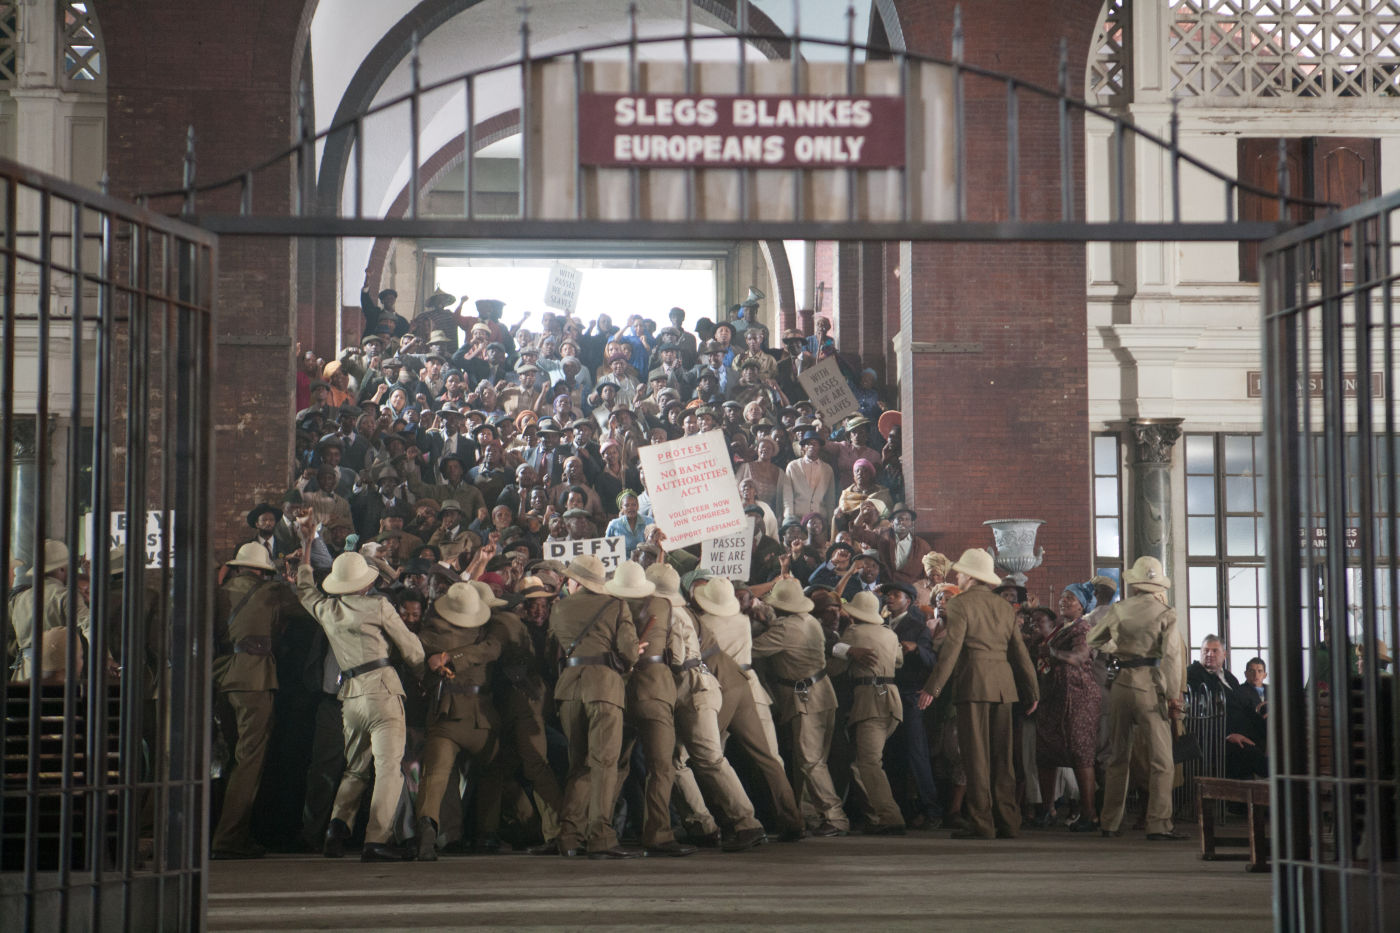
{"type": "Point", "coordinates": [864, 607]}
{"type": "Point", "coordinates": [261, 509]}
{"type": "Point", "coordinates": [350, 573]}
{"type": "Point", "coordinates": [1147, 574]}
{"type": "Point", "coordinates": [462, 607]}
{"type": "Point", "coordinates": [253, 555]}
{"type": "Point", "coordinates": [630, 581]}
{"type": "Point", "coordinates": [534, 588]}
{"type": "Point", "coordinates": [787, 595]}
{"type": "Point", "coordinates": [588, 571]}
{"type": "Point", "coordinates": [978, 565]}
{"type": "Point", "coordinates": [667, 583]}
{"type": "Point", "coordinates": [717, 597]}
{"type": "Point", "coordinates": [487, 595]}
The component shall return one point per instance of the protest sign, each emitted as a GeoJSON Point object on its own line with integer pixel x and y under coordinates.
{"type": "Point", "coordinates": [151, 542]}
{"type": "Point", "coordinates": [828, 390]}
{"type": "Point", "coordinates": [729, 556]}
{"type": "Point", "coordinates": [694, 496]}
{"type": "Point", "coordinates": [611, 551]}
{"type": "Point", "coordinates": [561, 291]}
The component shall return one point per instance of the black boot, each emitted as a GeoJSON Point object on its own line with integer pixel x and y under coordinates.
{"type": "Point", "coordinates": [336, 834]}
{"type": "Point", "coordinates": [427, 839]}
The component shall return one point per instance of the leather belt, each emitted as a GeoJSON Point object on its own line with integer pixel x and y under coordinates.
{"type": "Point", "coordinates": [802, 685]}
{"type": "Point", "coordinates": [461, 689]}
{"type": "Point", "coordinates": [692, 664]}
{"type": "Point", "coordinates": [1140, 662]}
{"type": "Point", "coordinates": [871, 681]}
{"type": "Point", "coordinates": [585, 660]}
{"type": "Point", "coordinates": [365, 668]}
{"type": "Point", "coordinates": [651, 659]}
{"type": "Point", "coordinates": [258, 645]}
{"type": "Point", "coordinates": [709, 653]}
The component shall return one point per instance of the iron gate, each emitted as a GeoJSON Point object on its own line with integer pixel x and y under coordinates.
{"type": "Point", "coordinates": [103, 356]}
{"type": "Point", "coordinates": [1329, 335]}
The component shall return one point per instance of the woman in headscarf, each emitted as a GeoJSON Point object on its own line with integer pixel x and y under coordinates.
{"type": "Point", "coordinates": [1067, 722]}
{"type": "Point", "coordinates": [936, 567]}
{"type": "Point", "coordinates": [629, 522]}
{"type": "Point", "coordinates": [863, 489]}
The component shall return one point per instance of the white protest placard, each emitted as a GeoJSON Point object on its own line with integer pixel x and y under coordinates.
{"type": "Point", "coordinates": [152, 542]}
{"type": "Point", "coordinates": [694, 496]}
{"type": "Point", "coordinates": [728, 557]}
{"type": "Point", "coordinates": [561, 291]}
{"type": "Point", "coordinates": [827, 388]}
{"type": "Point", "coordinates": [611, 551]}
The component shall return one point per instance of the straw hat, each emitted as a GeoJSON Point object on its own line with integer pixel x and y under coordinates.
{"type": "Point", "coordinates": [253, 555]}
{"type": "Point", "coordinates": [588, 571]}
{"type": "Point", "coordinates": [55, 555]}
{"type": "Point", "coordinates": [630, 581]}
{"type": "Point", "coordinates": [486, 594]}
{"type": "Point", "coordinates": [717, 597]}
{"type": "Point", "coordinates": [534, 587]}
{"type": "Point", "coordinates": [350, 573]}
{"type": "Point", "coordinates": [787, 596]}
{"type": "Point", "coordinates": [978, 565]}
{"type": "Point", "coordinates": [1147, 574]}
{"type": "Point", "coordinates": [461, 606]}
{"type": "Point", "coordinates": [864, 607]}
{"type": "Point", "coordinates": [667, 582]}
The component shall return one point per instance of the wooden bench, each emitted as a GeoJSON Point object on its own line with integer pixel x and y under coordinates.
{"type": "Point", "coordinates": [1255, 796]}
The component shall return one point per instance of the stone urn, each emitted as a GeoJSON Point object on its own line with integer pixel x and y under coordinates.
{"type": "Point", "coordinates": [1014, 547]}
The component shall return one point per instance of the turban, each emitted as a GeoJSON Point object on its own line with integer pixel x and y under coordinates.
{"type": "Point", "coordinates": [936, 564]}
{"type": "Point", "coordinates": [1084, 592]}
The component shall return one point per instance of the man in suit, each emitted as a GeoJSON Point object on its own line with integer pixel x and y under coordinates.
{"type": "Point", "coordinates": [267, 531]}
{"type": "Point", "coordinates": [1146, 693]}
{"type": "Point", "coordinates": [808, 484]}
{"type": "Point", "coordinates": [899, 548]}
{"type": "Point", "coordinates": [989, 669]}
{"type": "Point", "coordinates": [1246, 732]}
{"type": "Point", "coordinates": [594, 631]}
{"type": "Point", "coordinates": [916, 643]}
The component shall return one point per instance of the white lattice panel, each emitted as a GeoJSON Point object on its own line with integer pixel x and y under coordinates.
{"type": "Point", "coordinates": [9, 42]}
{"type": "Point", "coordinates": [1108, 61]}
{"type": "Point", "coordinates": [82, 47]}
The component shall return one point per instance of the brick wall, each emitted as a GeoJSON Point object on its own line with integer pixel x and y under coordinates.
{"type": "Point", "coordinates": [225, 66]}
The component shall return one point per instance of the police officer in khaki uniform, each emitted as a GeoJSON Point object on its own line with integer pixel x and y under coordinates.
{"type": "Point", "coordinates": [804, 701]}
{"type": "Point", "coordinates": [247, 610]}
{"type": "Point", "coordinates": [46, 602]}
{"type": "Point", "coordinates": [651, 705]}
{"type": "Point", "coordinates": [989, 669]}
{"type": "Point", "coordinates": [876, 710]}
{"type": "Point", "coordinates": [596, 639]}
{"type": "Point", "coordinates": [460, 715]}
{"type": "Point", "coordinates": [1141, 632]}
{"type": "Point", "coordinates": [360, 627]}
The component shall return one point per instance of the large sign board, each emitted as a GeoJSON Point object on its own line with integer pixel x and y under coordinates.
{"type": "Point", "coordinates": [733, 131]}
{"type": "Point", "coordinates": [152, 538]}
{"type": "Point", "coordinates": [827, 388]}
{"type": "Point", "coordinates": [611, 551]}
{"type": "Point", "coordinates": [694, 496]}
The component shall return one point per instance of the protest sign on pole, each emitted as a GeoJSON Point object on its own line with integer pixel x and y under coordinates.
{"type": "Point", "coordinates": [694, 496]}
{"type": "Point", "coordinates": [828, 390]}
{"type": "Point", "coordinates": [611, 551]}
{"type": "Point", "coordinates": [728, 557]}
{"type": "Point", "coordinates": [561, 291]}
{"type": "Point", "coordinates": [151, 541]}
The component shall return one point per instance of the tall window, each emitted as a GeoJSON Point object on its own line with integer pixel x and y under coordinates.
{"type": "Point", "coordinates": [1108, 506]}
{"type": "Point", "coordinates": [1226, 582]}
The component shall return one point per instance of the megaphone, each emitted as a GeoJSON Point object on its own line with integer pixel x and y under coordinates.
{"type": "Point", "coordinates": [754, 296]}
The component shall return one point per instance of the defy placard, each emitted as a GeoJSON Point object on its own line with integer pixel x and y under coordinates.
{"type": "Point", "coordinates": [827, 388]}
{"type": "Point", "coordinates": [741, 131]}
{"type": "Point", "coordinates": [151, 540]}
{"type": "Point", "coordinates": [611, 551]}
{"type": "Point", "coordinates": [694, 496]}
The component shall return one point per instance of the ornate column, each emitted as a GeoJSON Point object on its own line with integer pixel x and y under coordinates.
{"type": "Point", "coordinates": [24, 474]}
{"type": "Point", "coordinates": [1153, 439]}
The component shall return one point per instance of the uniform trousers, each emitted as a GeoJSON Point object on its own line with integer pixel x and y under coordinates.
{"type": "Point", "coordinates": [374, 743]}
{"type": "Point", "coordinates": [740, 718]}
{"type": "Point", "coordinates": [446, 740]}
{"type": "Point", "coordinates": [915, 750]}
{"type": "Point", "coordinates": [869, 736]}
{"type": "Point", "coordinates": [526, 749]}
{"type": "Point", "coordinates": [1130, 710]}
{"type": "Point", "coordinates": [252, 711]}
{"type": "Point", "coordinates": [654, 722]}
{"type": "Point", "coordinates": [594, 732]}
{"type": "Point", "coordinates": [811, 744]}
{"type": "Point", "coordinates": [706, 769]}
{"type": "Point", "coordinates": [984, 741]}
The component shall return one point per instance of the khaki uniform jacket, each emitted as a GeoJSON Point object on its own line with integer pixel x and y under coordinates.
{"type": "Point", "coordinates": [983, 658]}
{"type": "Point", "coordinates": [517, 669]}
{"type": "Point", "coordinates": [1142, 627]}
{"type": "Point", "coordinates": [874, 701]}
{"type": "Point", "coordinates": [52, 612]}
{"type": "Point", "coordinates": [734, 636]}
{"type": "Point", "coordinates": [796, 648]}
{"type": "Point", "coordinates": [360, 629]}
{"type": "Point", "coordinates": [258, 618]}
{"type": "Point", "coordinates": [697, 687]}
{"type": "Point", "coordinates": [469, 651]}
{"type": "Point", "coordinates": [613, 632]}
{"type": "Point", "coordinates": [652, 681]}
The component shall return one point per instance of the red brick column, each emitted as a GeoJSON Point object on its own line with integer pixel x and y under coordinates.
{"type": "Point", "coordinates": [846, 310]}
{"type": "Point", "coordinates": [994, 394]}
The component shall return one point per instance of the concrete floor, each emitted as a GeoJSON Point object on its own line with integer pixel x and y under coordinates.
{"type": "Point", "coordinates": [1044, 881]}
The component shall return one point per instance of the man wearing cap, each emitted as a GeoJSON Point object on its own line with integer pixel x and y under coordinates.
{"type": "Point", "coordinates": [844, 454]}
{"type": "Point", "coordinates": [754, 338]}
{"type": "Point", "coordinates": [360, 627]}
{"type": "Point", "coordinates": [899, 549]}
{"type": "Point", "coordinates": [808, 483]}
{"type": "Point", "coordinates": [596, 639]}
{"type": "Point", "coordinates": [247, 622]}
{"type": "Point", "coordinates": [916, 644]}
{"type": "Point", "coordinates": [875, 710]}
{"type": "Point", "coordinates": [461, 717]}
{"type": "Point", "coordinates": [1141, 631]}
{"type": "Point", "coordinates": [46, 602]}
{"type": "Point", "coordinates": [989, 669]}
{"type": "Point", "coordinates": [380, 317]}
{"type": "Point", "coordinates": [805, 701]}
